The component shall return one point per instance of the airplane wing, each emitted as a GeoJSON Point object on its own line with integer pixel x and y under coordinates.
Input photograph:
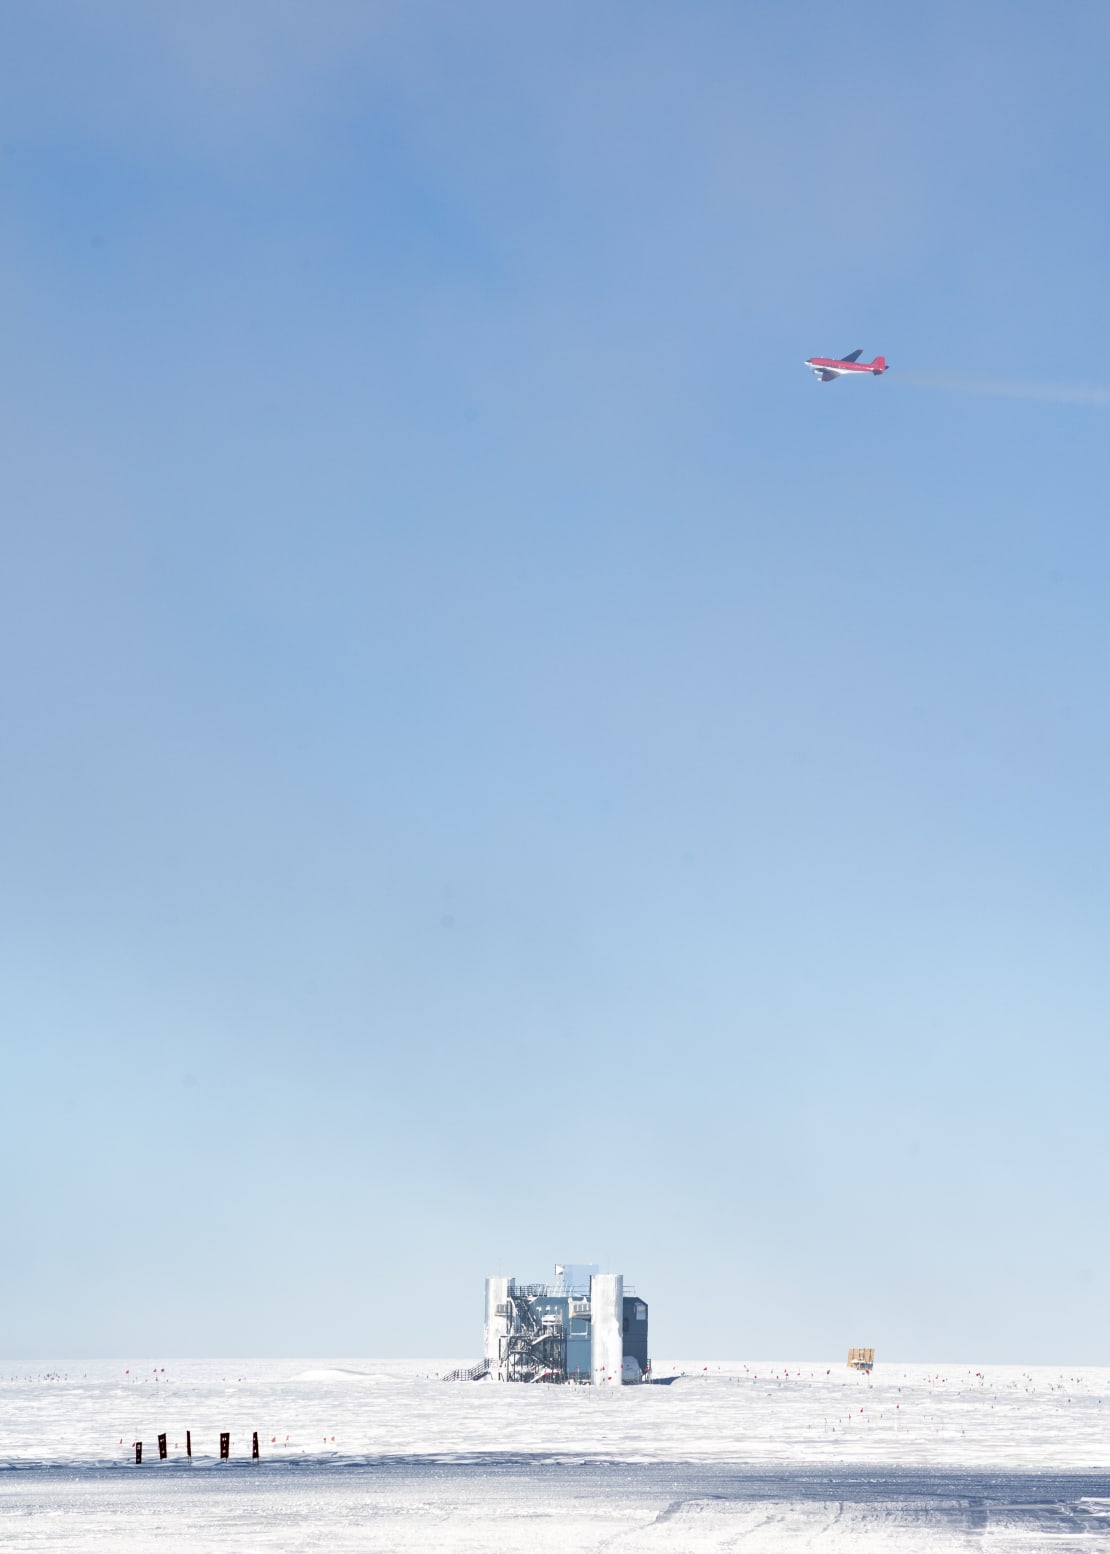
{"type": "Point", "coordinates": [828, 377]}
{"type": "Point", "coordinates": [853, 356]}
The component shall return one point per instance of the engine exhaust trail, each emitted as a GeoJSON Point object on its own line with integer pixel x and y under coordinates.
{"type": "Point", "coordinates": [1002, 388]}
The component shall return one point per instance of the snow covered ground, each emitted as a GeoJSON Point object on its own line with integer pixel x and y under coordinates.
{"type": "Point", "coordinates": [368, 1455]}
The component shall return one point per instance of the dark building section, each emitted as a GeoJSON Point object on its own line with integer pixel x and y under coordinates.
{"type": "Point", "coordinates": [635, 1335]}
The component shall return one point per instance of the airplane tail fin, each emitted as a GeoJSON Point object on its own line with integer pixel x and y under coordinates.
{"type": "Point", "coordinates": [878, 365]}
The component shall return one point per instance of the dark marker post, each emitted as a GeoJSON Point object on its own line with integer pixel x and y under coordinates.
{"type": "Point", "coordinates": [138, 1451]}
{"type": "Point", "coordinates": [225, 1444]}
{"type": "Point", "coordinates": [161, 1448]}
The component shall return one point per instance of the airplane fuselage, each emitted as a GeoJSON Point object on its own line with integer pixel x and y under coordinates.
{"type": "Point", "coordinates": [829, 367]}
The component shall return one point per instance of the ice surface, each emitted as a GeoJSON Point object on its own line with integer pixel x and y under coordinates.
{"type": "Point", "coordinates": [362, 1454]}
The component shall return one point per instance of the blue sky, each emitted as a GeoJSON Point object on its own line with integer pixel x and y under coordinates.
{"type": "Point", "coordinates": [500, 765]}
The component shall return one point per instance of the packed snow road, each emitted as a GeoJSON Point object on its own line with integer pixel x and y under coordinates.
{"type": "Point", "coordinates": [545, 1506]}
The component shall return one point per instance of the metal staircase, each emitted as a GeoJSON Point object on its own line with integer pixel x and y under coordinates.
{"type": "Point", "coordinates": [469, 1372]}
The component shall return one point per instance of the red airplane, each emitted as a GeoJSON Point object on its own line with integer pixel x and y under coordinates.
{"type": "Point", "coordinates": [829, 367]}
